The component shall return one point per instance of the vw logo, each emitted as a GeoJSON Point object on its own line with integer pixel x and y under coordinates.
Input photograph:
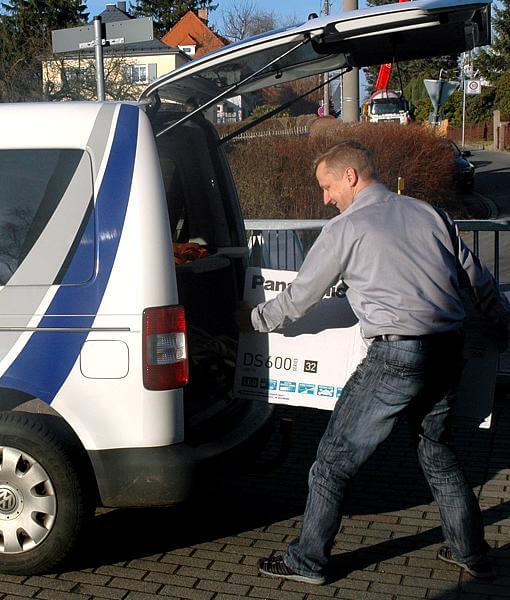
{"type": "Point", "coordinates": [8, 500]}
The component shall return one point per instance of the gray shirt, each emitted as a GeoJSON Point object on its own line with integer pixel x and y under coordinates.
{"type": "Point", "coordinates": [395, 255]}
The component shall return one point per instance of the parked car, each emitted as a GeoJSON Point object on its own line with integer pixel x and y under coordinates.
{"type": "Point", "coordinates": [117, 346]}
{"type": "Point", "coordinates": [464, 170]}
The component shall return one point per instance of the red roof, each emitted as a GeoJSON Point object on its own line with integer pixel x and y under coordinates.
{"type": "Point", "coordinates": [190, 30]}
{"type": "Point", "coordinates": [188, 40]}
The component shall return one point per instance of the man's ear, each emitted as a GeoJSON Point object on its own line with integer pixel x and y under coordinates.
{"type": "Point", "coordinates": [352, 176]}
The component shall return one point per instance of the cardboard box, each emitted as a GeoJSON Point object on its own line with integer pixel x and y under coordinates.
{"type": "Point", "coordinates": [309, 362]}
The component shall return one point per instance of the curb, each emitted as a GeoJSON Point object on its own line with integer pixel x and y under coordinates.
{"type": "Point", "coordinates": [489, 204]}
{"type": "Point", "coordinates": [480, 207]}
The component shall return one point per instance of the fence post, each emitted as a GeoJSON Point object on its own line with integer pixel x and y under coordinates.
{"type": "Point", "coordinates": [497, 129]}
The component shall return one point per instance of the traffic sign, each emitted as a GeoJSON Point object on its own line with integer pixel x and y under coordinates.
{"type": "Point", "coordinates": [126, 31]}
{"type": "Point", "coordinates": [473, 86]}
{"type": "Point", "coordinates": [439, 91]}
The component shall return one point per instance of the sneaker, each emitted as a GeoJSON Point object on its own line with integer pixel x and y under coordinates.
{"type": "Point", "coordinates": [482, 569]}
{"type": "Point", "coordinates": [275, 567]}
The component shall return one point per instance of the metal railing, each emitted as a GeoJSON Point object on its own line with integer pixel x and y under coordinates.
{"type": "Point", "coordinates": [297, 130]}
{"type": "Point", "coordinates": [282, 244]}
{"type": "Point", "coordinates": [488, 241]}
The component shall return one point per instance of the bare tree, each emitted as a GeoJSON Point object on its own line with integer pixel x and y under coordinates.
{"type": "Point", "coordinates": [244, 19]}
{"type": "Point", "coordinates": [75, 78]}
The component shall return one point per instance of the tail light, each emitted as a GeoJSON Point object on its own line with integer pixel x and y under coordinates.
{"type": "Point", "coordinates": [165, 353]}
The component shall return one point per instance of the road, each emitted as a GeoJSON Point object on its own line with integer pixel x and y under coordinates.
{"type": "Point", "coordinates": [493, 178]}
{"type": "Point", "coordinates": [208, 549]}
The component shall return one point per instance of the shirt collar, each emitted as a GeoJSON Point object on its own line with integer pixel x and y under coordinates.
{"type": "Point", "coordinates": [369, 195]}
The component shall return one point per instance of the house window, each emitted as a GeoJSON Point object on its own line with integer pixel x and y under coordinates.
{"type": "Point", "coordinates": [139, 74]}
{"type": "Point", "coordinates": [188, 50]}
{"type": "Point", "coordinates": [76, 75]}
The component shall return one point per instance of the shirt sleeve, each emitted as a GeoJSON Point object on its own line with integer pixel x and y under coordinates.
{"type": "Point", "coordinates": [321, 269]}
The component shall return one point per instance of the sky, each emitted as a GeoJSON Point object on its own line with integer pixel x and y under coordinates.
{"type": "Point", "coordinates": [300, 9]}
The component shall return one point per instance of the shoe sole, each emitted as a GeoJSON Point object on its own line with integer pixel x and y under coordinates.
{"type": "Point", "coordinates": [300, 578]}
{"type": "Point", "coordinates": [476, 574]}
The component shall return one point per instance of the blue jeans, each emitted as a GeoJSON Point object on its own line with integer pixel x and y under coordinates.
{"type": "Point", "coordinates": [418, 377]}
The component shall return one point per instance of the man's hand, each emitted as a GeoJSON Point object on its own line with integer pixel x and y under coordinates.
{"type": "Point", "coordinates": [242, 317]}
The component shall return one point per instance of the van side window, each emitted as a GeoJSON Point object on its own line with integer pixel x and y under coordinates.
{"type": "Point", "coordinates": [37, 229]}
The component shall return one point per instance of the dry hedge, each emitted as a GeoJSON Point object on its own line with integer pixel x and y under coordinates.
{"type": "Point", "coordinates": [275, 178]}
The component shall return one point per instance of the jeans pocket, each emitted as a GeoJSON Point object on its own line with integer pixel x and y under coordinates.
{"type": "Point", "coordinates": [399, 382]}
{"type": "Point", "coordinates": [396, 368]}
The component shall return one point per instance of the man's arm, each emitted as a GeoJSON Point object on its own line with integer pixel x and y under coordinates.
{"type": "Point", "coordinates": [322, 268]}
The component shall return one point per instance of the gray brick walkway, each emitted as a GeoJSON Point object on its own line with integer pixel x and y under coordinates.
{"type": "Point", "coordinates": [208, 550]}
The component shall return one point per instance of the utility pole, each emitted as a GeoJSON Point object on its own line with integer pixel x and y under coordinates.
{"type": "Point", "coordinates": [326, 75]}
{"type": "Point", "coordinates": [350, 87]}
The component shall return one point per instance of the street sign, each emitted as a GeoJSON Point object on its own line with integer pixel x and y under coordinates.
{"type": "Point", "coordinates": [439, 91]}
{"type": "Point", "coordinates": [126, 31]}
{"type": "Point", "coordinates": [473, 86]}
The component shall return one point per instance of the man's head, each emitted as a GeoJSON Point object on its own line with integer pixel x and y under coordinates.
{"type": "Point", "coordinates": [343, 171]}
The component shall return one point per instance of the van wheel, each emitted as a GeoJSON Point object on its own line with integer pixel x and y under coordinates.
{"type": "Point", "coordinates": [43, 502]}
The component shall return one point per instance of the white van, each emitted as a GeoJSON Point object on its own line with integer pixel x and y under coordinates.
{"type": "Point", "coordinates": [116, 364]}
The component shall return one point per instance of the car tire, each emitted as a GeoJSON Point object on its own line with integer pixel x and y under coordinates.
{"type": "Point", "coordinates": [45, 499]}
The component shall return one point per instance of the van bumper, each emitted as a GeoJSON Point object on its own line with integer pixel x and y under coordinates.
{"type": "Point", "coordinates": [168, 475]}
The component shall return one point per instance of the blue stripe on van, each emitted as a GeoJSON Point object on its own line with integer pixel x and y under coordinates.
{"type": "Point", "coordinates": [48, 357]}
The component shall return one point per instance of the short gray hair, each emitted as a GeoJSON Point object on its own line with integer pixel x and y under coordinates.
{"type": "Point", "coordinates": [349, 153]}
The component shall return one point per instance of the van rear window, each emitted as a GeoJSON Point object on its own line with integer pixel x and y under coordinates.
{"type": "Point", "coordinates": [38, 232]}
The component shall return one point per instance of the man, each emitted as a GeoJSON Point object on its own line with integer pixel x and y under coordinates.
{"type": "Point", "coordinates": [397, 258]}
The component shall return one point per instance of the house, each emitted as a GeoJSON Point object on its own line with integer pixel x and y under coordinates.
{"type": "Point", "coordinates": [128, 67]}
{"type": "Point", "coordinates": [192, 35]}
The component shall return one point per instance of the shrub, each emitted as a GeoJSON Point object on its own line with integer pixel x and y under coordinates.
{"type": "Point", "coordinates": [275, 179]}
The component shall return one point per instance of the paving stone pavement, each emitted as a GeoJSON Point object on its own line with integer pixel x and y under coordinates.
{"type": "Point", "coordinates": [207, 550]}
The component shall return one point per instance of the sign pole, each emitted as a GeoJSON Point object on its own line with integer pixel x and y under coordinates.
{"type": "Point", "coordinates": [441, 85]}
{"type": "Point", "coordinates": [463, 111]}
{"type": "Point", "coordinates": [96, 35]}
{"type": "Point", "coordinates": [98, 43]}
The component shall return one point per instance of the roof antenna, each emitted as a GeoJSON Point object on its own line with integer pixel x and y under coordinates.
{"type": "Point", "coordinates": [313, 16]}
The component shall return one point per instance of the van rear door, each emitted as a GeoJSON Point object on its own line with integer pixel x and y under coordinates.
{"type": "Point", "coordinates": [388, 33]}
